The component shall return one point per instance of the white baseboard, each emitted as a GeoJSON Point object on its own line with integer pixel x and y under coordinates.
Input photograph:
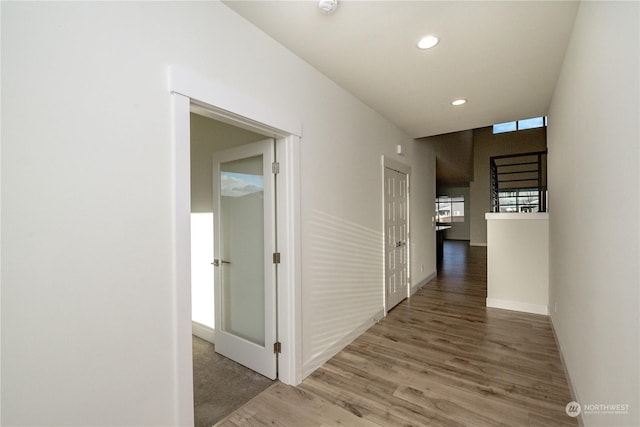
{"type": "Point", "coordinates": [518, 306]}
{"type": "Point", "coordinates": [423, 282]}
{"type": "Point", "coordinates": [572, 389]}
{"type": "Point", "coordinates": [477, 244]}
{"type": "Point", "coordinates": [202, 331]}
{"type": "Point", "coordinates": [334, 349]}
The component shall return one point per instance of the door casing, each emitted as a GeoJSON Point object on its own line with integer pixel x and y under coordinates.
{"type": "Point", "coordinates": [192, 92]}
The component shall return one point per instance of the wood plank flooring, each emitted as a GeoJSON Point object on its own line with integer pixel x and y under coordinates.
{"type": "Point", "coordinates": [440, 358]}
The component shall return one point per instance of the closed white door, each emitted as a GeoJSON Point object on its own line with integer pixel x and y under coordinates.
{"type": "Point", "coordinates": [245, 273]}
{"type": "Point", "coordinates": [396, 237]}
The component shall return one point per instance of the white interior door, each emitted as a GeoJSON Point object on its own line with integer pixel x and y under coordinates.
{"type": "Point", "coordinates": [396, 237]}
{"type": "Point", "coordinates": [245, 275]}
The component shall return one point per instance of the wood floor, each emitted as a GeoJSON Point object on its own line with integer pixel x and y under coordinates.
{"type": "Point", "coordinates": [439, 359]}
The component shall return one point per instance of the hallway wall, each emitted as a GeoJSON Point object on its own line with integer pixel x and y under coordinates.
{"type": "Point", "coordinates": [88, 288]}
{"type": "Point", "coordinates": [594, 189]}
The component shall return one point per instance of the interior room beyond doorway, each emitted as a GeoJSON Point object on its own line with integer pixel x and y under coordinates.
{"type": "Point", "coordinates": [220, 385]}
{"type": "Point", "coordinates": [207, 137]}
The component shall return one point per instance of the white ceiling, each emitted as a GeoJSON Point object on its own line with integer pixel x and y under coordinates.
{"type": "Point", "coordinates": [504, 56]}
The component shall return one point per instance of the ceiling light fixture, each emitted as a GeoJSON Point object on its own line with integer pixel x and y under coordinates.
{"type": "Point", "coordinates": [458, 102]}
{"type": "Point", "coordinates": [327, 6]}
{"type": "Point", "coordinates": [427, 42]}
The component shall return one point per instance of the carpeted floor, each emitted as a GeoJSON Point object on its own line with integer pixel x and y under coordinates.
{"type": "Point", "coordinates": [220, 385]}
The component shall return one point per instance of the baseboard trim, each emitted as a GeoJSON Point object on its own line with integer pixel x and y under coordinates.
{"type": "Point", "coordinates": [202, 331]}
{"type": "Point", "coordinates": [517, 306]}
{"type": "Point", "coordinates": [423, 282]}
{"type": "Point", "coordinates": [335, 348]}
{"type": "Point", "coordinates": [572, 389]}
{"type": "Point", "coordinates": [477, 244]}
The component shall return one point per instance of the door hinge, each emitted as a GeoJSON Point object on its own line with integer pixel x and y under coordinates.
{"type": "Point", "coordinates": [277, 347]}
{"type": "Point", "coordinates": [276, 257]}
{"type": "Point", "coordinates": [275, 167]}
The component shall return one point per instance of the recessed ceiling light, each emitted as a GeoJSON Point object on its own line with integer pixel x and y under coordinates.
{"type": "Point", "coordinates": [458, 102]}
{"type": "Point", "coordinates": [427, 42]}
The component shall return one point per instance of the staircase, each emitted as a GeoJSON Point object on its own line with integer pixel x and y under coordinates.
{"type": "Point", "coordinates": [519, 182]}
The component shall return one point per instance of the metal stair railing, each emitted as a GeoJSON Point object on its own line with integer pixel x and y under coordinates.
{"type": "Point", "coordinates": [518, 182]}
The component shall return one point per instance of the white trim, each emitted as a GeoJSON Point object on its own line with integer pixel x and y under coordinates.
{"type": "Point", "coordinates": [203, 331]}
{"type": "Point", "coordinates": [518, 306]}
{"type": "Point", "coordinates": [230, 106]}
{"type": "Point", "coordinates": [477, 244]}
{"type": "Point", "coordinates": [181, 245]}
{"type": "Point", "coordinates": [516, 215]}
{"type": "Point", "coordinates": [290, 277]}
{"type": "Point", "coordinates": [423, 282]}
{"type": "Point", "coordinates": [390, 163]}
{"type": "Point", "coordinates": [335, 348]}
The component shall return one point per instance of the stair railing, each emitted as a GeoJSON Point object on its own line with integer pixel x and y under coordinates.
{"type": "Point", "coordinates": [518, 182]}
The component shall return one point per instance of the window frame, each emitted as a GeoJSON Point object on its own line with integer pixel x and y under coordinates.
{"type": "Point", "coordinates": [517, 125]}
{"type": "Point", "coordinates": [451, 201]}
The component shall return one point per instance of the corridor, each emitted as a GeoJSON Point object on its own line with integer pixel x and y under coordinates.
{"type": "Point", "coordinates": [439, 358]}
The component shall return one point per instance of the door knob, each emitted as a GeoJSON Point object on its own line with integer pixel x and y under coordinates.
{"type": "Point", "coordinates": [216, 263]}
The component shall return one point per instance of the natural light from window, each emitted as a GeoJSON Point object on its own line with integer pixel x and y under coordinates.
{"type": "Point", "coordinates": [504, 127]}
{"type": "Point", "coordinates": [201, 269]}
{"type": "Point", "coordinates": [535, 122]}
{"type": "Point", "coordinates": [450, 209]}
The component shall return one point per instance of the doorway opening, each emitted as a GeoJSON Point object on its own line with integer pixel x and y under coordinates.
{"type": "Point", "coordinates": [221, 384]}
{"type": "Point", "coordinates": [190, 93]}
{"type": "Point", "coordinates": [207, 137]}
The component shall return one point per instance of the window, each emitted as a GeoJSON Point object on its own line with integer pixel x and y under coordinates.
{"type": "Point", "coordinates": [450, 209]}
{"type": "Point", "coordinates": [519, 200]}
{"type": "Point", "coordinates": [504, 127]}
{"type": "Point", "coordinates": [535, 122]}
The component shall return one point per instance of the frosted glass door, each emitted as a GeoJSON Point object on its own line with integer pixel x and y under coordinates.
{"type": "Point", "coordinates": [242, 248]}
{"type": "Point", "coordinates": [244, 218]}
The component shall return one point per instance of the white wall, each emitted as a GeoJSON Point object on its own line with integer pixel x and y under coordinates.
{"type": "Point", "coordinates": [518, 261]}
{"type": "Point", "coordinates": [88, 327]}
{"type": "Point", "coordinates": [594, 157]}
{"type": "Point", "coordinates": [423, 195]}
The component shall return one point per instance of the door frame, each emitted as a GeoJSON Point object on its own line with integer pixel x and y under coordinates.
{"type": "Point", "coordinates": [190, 92]}
{"type": "Point", "coordinates": [388, 162]}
